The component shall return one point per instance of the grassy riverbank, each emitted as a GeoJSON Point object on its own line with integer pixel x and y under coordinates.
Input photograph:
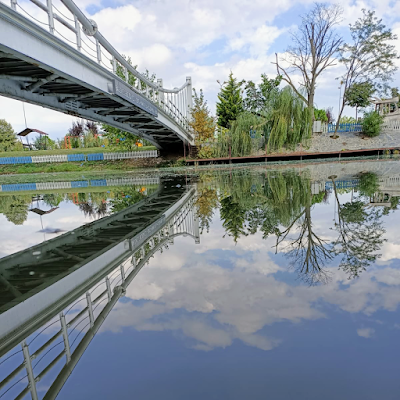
{"type": "Point", "coordinates": [27, 153]}
{"type": "Point", "coordinates": [97, 166]}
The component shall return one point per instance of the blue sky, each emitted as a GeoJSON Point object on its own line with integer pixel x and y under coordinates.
{"type": "Point", "coordinates": [203, 39]}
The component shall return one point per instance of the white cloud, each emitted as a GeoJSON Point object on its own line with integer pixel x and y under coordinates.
{"type": "Point", "coordinates": [365, 332]}
{"type": "Point", "coordinates": [203, 38]}
{"type": "Point", "coordinates": [257, 40]}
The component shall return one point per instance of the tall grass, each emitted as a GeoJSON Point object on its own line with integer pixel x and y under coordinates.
{"type": "Point", "coordinates": [237, 138]}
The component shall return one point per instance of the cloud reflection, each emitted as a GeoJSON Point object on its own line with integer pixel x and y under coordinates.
{"type": "Point", "coordinates": [213, 294]}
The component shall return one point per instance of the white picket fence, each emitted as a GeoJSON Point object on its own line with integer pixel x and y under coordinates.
{"type": "Point", "coordinates": [133, 181]}
{"type": "Point", "coordinates": [131, 154]}
{"type": "Point", "coordinates": [106, 156]}
{"type": "Point", "coordinates": [55, 158]}
{"type": "Point", "coordinates": [53, 185]}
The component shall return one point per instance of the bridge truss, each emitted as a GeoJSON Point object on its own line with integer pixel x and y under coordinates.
{"type": "Point", "coordinates": [60, 60]}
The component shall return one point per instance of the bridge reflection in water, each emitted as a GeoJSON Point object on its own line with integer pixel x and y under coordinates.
{"type": "Point", "coordinates": [55, 296]}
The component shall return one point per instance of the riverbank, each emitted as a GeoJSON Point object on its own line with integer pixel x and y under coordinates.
{"type": "Point", "coordinates": [86, 166]}
{"type": "Point", "coordinates": [56, 152]}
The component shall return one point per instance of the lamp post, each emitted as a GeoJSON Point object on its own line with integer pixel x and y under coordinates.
{"type": "Point", "coordinates": [340, 96]}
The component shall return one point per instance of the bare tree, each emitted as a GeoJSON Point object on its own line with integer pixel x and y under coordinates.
{"type": "Point", "coordinates": [308, 252]}
{"type": "Point", "coordinates": [312, 51]}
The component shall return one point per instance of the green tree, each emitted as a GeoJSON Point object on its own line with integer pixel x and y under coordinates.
{"type": "Point", "coordinates": [124, 198]}
{"type": "Point", "coordinates": [206, 203]}
{"type": "Point", "coordinates": [360, 232]}
{"type": "Point", "coordinates": [43, 142]}
{"type": "Point", "coordinates": [53, 200]}
{"type": "Point", "coordinates": [8, 138]}
{"type": "Point", "coordinates": [257, 97]}
{"type": "Point", "coordinates": [369, 184]}
{"type": "Point", "coordinates": [230, 102]}
{"type": "Point", "coordinates": [121, 71]}
{"type": "Point", "coordinates": [201, 121]}
{"type": "Point", "coordinates": [358, 95]}
{"type": "Point", "coordinates": [233, 218]}
{"type": "Point", "coordinates": [347, 120]}
{"type": "Point", "coordinates": [320, 115]}
{"type": "Point", "coordinates": [394, 91]}
{"type": "Point", "coordinates": [119, 139]}
{"type": "Point", "coordinates": [15, 208]}
{"type": "Point", "coordinates": [370, 57]}
{"type": "Point", "coordinates": [353, 212]}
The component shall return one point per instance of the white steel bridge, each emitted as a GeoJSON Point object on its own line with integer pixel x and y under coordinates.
{"type": "Point", "coordinates": [58, 59]}
{"type": "Point", "coordinates": [52, 314]}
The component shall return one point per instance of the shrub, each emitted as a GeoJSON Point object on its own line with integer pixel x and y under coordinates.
{"type": "Point", "coordinates": [369, 184]}
{"type": "Point", "coordinates": [320, 115]}
{"type": "Point", "coordinates": [372, 123]}
{"type": "Point", "coordinates": [206, 151]}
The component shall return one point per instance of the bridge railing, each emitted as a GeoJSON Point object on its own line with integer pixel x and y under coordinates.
{"type": "Point", "coordinates": [66, 21]}
{"type": "Point", "coordinates": [391, 125]}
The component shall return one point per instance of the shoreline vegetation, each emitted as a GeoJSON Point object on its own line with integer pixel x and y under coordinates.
{"type": "Point", "coordinates": [91, 150]}
{"type": "Point", "coordinates": [172, 168]}
{"type": "Point", "coordinates": [265, 119]}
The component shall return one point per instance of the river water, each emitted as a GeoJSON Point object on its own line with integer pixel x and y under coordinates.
{"type": "Point", "coordinates": [278, 282]}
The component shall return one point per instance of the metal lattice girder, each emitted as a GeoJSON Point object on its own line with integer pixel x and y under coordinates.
{"type": "Point", "coordinates": [38, 67]}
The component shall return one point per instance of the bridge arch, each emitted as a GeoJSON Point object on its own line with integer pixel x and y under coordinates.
{"type": "Point", "coordinates": [43, 67]}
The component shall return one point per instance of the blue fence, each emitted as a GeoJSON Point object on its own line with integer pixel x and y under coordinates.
{"type": "Point", "coordinates": [79, 157]}
{"type": "Point", "coordinates": [15, 187]}
{"type": "Point", "coordinates": [76, 157]}
{"type": "Point", "coordinates": [39, 186]}
{"type": "Point", "coordinates": [15, 160]}
{"type": "Point", "coordinates": [354, 127]}
{"type": "Point", "coordinates": [79, 184]}
{"type": "Point", "coordinates": [348, 184]}
{"type": "Point", "coordinates": [95, 157]}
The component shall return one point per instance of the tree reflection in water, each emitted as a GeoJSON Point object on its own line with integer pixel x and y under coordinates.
{"type": "Point", "coordinates": [360, 232]}
{"type": "Point", "coordinates": [280, 204]}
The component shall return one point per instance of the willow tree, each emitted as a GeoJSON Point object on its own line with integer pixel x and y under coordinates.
{"type": "Point", "coordinates": [290, 120]}
{"type": "Point", "coordinates": [313, 48]}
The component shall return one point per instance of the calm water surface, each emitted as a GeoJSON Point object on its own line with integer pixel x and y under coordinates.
{"type": "Point", "coordinates": [292, 291]}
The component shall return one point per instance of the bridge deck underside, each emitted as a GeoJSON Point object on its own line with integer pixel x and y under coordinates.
{"type": "Point", "coordinates": [37, 84]}
{"type": "Point", "coordinates": [19, 281]}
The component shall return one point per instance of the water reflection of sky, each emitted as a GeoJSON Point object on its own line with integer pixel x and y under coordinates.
{"type": "Point", "coordinates": [14, 238]}
{"type": "Point", "coordinates": [221, 320]}
{"type": "Point", "coordinates": [226, 320]}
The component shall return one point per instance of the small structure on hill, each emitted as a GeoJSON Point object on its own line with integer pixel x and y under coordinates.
{"type": "Point", "coordinates": [27, 131]}
{"type": "Point", "coordinates": [389, 108]}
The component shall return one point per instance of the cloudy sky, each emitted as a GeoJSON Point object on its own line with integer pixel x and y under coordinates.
{"type": "Point", "coordinates": [203, 39]}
